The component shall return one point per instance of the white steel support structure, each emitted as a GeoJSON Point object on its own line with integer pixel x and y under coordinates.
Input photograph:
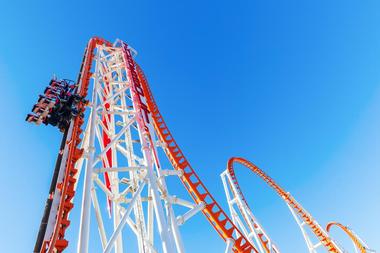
{"type": "Point", "coordinates": [243, 217]}
{"type": "Point", "coordinates": [124, 179]}
{"type": "Point", "coordinates": [362, 242]}
{"type": "Point", "coordinates": [311, 246]}
{"type": "Point", "coordinates": [122, 166]}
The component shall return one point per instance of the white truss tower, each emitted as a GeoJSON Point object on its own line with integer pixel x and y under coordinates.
{"type": "Point", "coordinates": [243, 217]}
{"type": "Point", "coordinates": [121, 162]}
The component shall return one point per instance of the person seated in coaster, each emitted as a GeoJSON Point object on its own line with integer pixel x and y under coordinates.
{"type": "Point", "coordinates": [55, 89]}
{"type": "Point", "coordinates": [37, 109]}
{"type": "Point", "coordinates": [54, 83]}
{"type": "Point", "coordinates": [63, 125]}
{"type": "Point", "coordinates": [31, 118]}
{"type": "Point", "coordinates": [72, 88]}
{"type": "Point", "coordinates": [44, 99]}
{"type": "Point", "coordinates": [51, 91]}
{"type": "Point", "coordinates": [52, 119]}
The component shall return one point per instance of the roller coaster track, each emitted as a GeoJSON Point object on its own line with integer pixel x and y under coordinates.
{"type": "Point", "coordinates": [63, 183]}
{"type": "Point", "coordinates": [306, 217]}
{"type": "Point", "coordinates": [213, 212]}
{"type": "Point", "coordinates": [358, 242]}
{"type": "Point", "coordinates": [59, 204]}
{"type": "Point", "coordinates": [66, 189]}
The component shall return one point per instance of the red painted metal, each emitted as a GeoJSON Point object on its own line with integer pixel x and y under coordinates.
{"type": "Point", "coordinates": [57, 242]}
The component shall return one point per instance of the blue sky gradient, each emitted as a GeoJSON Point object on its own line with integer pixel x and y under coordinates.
{"type": "Point", "coordinates": [293, 86]}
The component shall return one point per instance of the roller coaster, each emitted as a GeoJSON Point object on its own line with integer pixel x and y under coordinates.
{"type": "Point", "coordinates": [115, 134]}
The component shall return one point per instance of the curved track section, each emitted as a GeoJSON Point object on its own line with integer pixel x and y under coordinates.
{"type": "Point", "coordinates": [198, 191]}
{"type": "Point", "coordinates": [243, 217]}
{"type": "Point", "coordinates": [359, 244]}
{"type": "Point", "coordinates": [307, 218]}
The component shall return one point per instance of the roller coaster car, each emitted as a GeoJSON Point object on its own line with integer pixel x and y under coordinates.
{"type": "Point", "coordinates": [68, 81]}
{"type": "Point", "coordinates": [63, 125]}
{"type": "Point", "coordinates": [54, 88]}
{"type": "Point", "coordinates": [32, 118]}
{"type": "Point", "coordinates": [53, 91]}
{"type": "Point", "coordinates": [58, 105]}
{"type": "Point", "coordinates": [44, 103]}
{"type": "Point", "coordinates": [54, 82]}
{"type": "Point", "coordinates": [38, 109]}
{"type": "Point", "coordinates": [46, 99]}
{"type": "Point", "coordinates": [51, 119]}
{"type": "Point", "coordinates": [64, 110]}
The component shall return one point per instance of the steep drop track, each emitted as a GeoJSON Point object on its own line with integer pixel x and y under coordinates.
{"type": "Point", "coordinates": [64, 190]}
{"type": "Point", "coordinates": [213, 212]}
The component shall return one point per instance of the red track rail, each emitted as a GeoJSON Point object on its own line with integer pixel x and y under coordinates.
{"type": "Point", "coordinates": [57, 242]}
{"type": "Point", "coordinates": [213, 212]}
{"type": "Point", "coordinates": [306, 217]}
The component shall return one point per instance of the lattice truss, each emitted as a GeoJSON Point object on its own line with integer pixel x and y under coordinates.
{"type": "Point", "coordinates": [122, 162]}
{"type": "Point", "coordinates": [245, 220]}
{"type": "Point", "coordinates": [243, 217]}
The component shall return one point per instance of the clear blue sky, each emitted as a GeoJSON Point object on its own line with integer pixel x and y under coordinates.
{"type": "Point", "coordinates": [293, 86]}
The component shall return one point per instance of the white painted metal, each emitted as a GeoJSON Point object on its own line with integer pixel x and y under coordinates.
{"type": "Point", "coordinates": [57, 194]}
{"type": "Point", "coordinates": [243, 217]}
{"type": "Point", "coordinates": [229, 245]}
{"type": "Point", "coordinates": [84, 228]}
{"type": "Point", "coordinates": [193, 211]}
{"type": "Point", "coordinates": [368, 249]}
{"type": "Point", "coordinates": [123, 221]}
{"type": "Point", "coordinates": [117, 113]}
{"type": "Point", "coordinates": [312, 247]}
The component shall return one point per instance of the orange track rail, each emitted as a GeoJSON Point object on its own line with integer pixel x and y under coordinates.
{"type": "Point", "coordinates": [213, 212]}
{"type": "Point", "coordinates": [57, 242]}
{"type": "Point", "coordinates": [326, 241]}
{"type": "Point", "coordinates": [352, 236]}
